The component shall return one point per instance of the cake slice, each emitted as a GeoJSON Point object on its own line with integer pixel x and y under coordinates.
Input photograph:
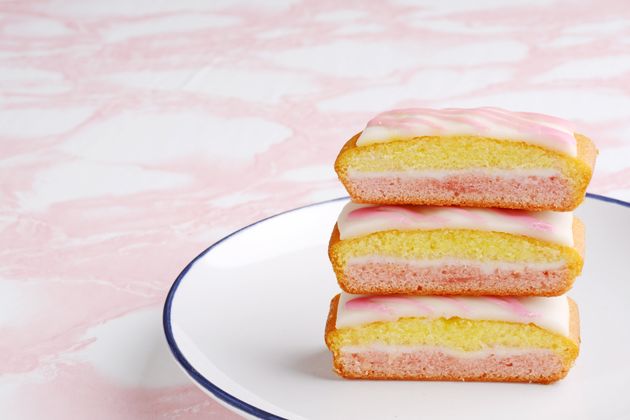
{"type": "Point", "coordinates": [507, 339]}
{"type": "Point", "coordinates": [430, 250]}
{"type": "Point", "coordinates": [481, 157]}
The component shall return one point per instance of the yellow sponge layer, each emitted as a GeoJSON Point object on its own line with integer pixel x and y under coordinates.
{"type": "Point", "coordinates": [454, 243]}
{"type": "Point", "coordinates": [459, 152]}
{"type": "Point", "coordinates": [454, 333]}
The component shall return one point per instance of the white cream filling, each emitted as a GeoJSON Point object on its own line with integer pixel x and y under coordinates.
{"type": "Point", "coordinates": [486, 267]}
{"type": "Point", "coordinates": [444, 173]}
{"type": "Point", "coordinates": [477, 354]}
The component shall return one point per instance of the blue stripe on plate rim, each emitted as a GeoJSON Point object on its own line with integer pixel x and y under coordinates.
{"type": "Point", "coordinates": [203, 381]}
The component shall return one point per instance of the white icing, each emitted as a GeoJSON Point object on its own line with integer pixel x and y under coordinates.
{"type": "Point", "coordinates": [556, 227]}
{"type": "Point", "coordinates": [550, 313]}
{"type": "Point", "coordinates": [545, 131]}
{"type": "Point", "coordinates": [487, 267]}
{"type": "Point", "coordinates": [444, 173]}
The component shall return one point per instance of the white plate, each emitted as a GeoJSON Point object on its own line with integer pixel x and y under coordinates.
{"type": "Point", "coordinates": [245, 320]}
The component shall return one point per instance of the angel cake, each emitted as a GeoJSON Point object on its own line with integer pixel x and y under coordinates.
{"type": "Point", "coordinates": [481, 157]}
{"type": "Point", "coordinates": [503, 339]}
{"type": "Point", "coordinates": [430, 250]}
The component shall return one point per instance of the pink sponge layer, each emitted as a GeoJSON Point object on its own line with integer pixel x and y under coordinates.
{"type": "Point", "coordinates": [535, 366]}
{"type": "Point", "coordinates": [465, 189]}
{"type": "Point", "coordinates": [452, 279]}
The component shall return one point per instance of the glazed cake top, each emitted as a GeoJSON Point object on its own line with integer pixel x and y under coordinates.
{"type": "Point", "coordinates": [357, 220]}
{"type": "Point", "coordinates": [550, 313]}
{"type": "Point", "coordinates": [548, 132]}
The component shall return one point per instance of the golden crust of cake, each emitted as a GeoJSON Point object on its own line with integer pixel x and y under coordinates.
{"type": "Point", "coordinates": [335, 256]}
{"type": "Point", "coordinates": [578, 236]}
{"type": "Point", "coordinates": [574, 322]}
{"type": "Point", "coordinates": [581, 166]}
{"type": "Point", "coordinates": [587, 152]}
{"type": "Point", "coordinates": [574, 336]}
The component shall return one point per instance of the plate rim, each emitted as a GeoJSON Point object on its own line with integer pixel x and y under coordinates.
{"type": "Point", "coordinates": [201, 380]}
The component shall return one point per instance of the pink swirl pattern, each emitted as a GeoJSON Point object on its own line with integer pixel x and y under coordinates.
{"type": "Point", "coordinates": [469, 214]}
{"type": "Point", "coordinates": [513, 304]}
{"type": "Point", "coordinates": [380, 304]}
{"type": "Point", "coordinates": [546, 131]}
{"type": "Point", "coordinates": [527, 218]}
{"type": "Point", "coordinates": [551, 313]}
{"type": "Point", "coordinates": [406, 215]}
{"type": "Point", "coordinates": [418, 304]}
{"type": "Point", "coordinates": [359, 219]}
{"type": "Point", "coordinates": [367, 303]}
{"type": "Point", "coordinates": [456, 302]}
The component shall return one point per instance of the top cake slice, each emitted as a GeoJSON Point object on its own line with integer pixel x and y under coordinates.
{"type": "Point", "coordinates": [481, 157]}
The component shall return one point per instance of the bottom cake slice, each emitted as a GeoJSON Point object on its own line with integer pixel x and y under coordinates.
{"type": "Point", "coordinates": [528, 339]}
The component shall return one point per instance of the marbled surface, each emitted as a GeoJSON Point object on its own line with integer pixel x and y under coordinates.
{"type": "Point", "coordinates": [135, 133]}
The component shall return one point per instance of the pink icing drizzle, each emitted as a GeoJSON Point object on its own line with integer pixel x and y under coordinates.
{"type": "Point", "coordinates": [379, 304]}
{"type": "Point", "coordinates": [406, 299]}
{"type": "Point", "coordinates": [409, 215]}
{"type": "Point", "coordinates": [479, 119]}
{"type": "Point", "coordinates": [528, 124]}
{"type": "Point", "coordinates": [457, 303]}
{"type": "Point", "coordinates": [512, 304]}
{"type": "Point", "coordinates": [525, 218]}
{"type": "Point", "coordinates": [403, 214]}
{"type": "Point", "coordinates": [548, 313]}
{"type": "Point", "coordinates": [469, 214]}
{"type": "Point", "coordinates": [367, 303]}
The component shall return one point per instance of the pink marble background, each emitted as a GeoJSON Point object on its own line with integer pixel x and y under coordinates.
{"type": "Point", "coordinates": [135, 133]}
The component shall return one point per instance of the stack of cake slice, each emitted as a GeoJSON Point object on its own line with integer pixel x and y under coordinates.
{"type": "Point", "coordinates": [458, 246]}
